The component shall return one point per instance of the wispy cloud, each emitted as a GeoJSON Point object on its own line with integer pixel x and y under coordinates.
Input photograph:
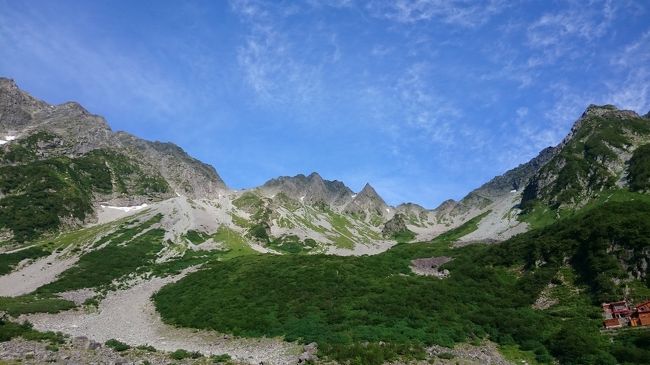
{"type": "Point", "coordinates": [465, 13]}
{"type": "Point", "coordinates": [423, 107]}
{"type": "Point", "coordinates": [631, 90]}
{"type": "Point", "coordinates": [118, 76]}
{"type": "Point", "coordinates": [269, 58]}
{"type": "Point", "coordinates": [568, 31]}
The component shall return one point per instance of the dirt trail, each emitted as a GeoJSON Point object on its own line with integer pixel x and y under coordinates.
{"type": "Point", "coordinates": [130, 316]}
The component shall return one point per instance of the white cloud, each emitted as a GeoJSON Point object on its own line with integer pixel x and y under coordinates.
{"type": "Point", "coordinates": [631, 89]}
{"type": "Point", "coordinates": [270, 60]}
{"type": "Point", "coordinates": [424, 108]}
{"type": "Point", "coordinates": [633, 93]}
{"type": "Point", "coordinates": [465, 13]}
{"type": "Point", "coordinates": [569, 31]}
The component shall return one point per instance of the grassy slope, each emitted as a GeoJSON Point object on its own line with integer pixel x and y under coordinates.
{"type": "Point", "coordinates": [9, 260]}
{"type": "Point", "coordinates": [341, 302]}
{"type": "Point", "coordinates": [466, 228]}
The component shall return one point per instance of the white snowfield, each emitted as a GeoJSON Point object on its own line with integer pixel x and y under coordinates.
{"type": "Point", "coordinates": [126, 209]}
{"type": "Point", "coordinates": [7, 139]}
{"type": "Point", "coordinates": [109, 213]}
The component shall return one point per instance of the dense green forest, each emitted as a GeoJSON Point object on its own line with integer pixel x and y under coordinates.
{"type": "Point", "coordinates": [370, 309]}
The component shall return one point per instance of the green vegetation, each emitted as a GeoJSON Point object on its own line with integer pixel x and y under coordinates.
{"type": "Point", "coordinates": [24, 304]}
{"type": "Point", "coordinates": [25, 149]}
{"type": "Point", "coordinates": [538, 216]}
{"type": "Point", "coordinates": [117, 345]}
{"type": "Point", "coordinates": [181, 354]}
{"type": "Point", "coordinates": [639, 170]}
{"type": "Point", "coordinates": [38, 194]}
{"type": "Point", "coordinates": [123, 255]}
{"type": "Point", "coordinates": [249, 202]}
{"type": "Point", "coordinates": [516, 355]}
{"type": "Point", "coordinates": [147, 348]}
{"type": "Point", "coordinates": [196, 237]}
{"type": "Point", "coordinates": [466, 228]}
{"type": "Point", "coordinates": [292, 244]}
{"type": "Point", "coordinates": [581, 166]}
{"type": "Point", "coordinates": [594, 242]}
{"type": "Point", "coordinates": [404, 236]}
{"type": "Point", "coordinates": [235, 243]}
{"type": "Point", "coordinates": [260, 232]}
{"type": "Point", "coordinates": [218, 359]}
{"type": "Point", "coordinates": [9, 260]}
{"type": "Point", "coordinates": [349, 304]}
{"type": "Point", "coordinates": [9, 330]}
{"type": "Point", "coordinates": [541, 215]}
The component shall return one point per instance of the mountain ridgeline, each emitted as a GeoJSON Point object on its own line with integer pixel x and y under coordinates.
{"type": "Point", "coordinates": [86, 210]}
{"type": "Point", "coordinates": [60, 165]}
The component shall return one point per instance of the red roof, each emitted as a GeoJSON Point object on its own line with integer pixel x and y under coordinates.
{"type": "Point", "coordinates": [612, 323]}
{"type": "Point", "coordinates": [644, 307]}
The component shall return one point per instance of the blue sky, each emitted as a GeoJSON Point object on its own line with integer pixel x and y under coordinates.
{"type": "Point", "coordinates": [424, 99]}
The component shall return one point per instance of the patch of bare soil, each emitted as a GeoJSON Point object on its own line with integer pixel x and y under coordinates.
{"type": "Point", "coordinates": [431, 266]}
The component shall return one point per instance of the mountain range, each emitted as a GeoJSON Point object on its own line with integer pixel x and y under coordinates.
{"type": "Point", "coordinates": [74, 193]}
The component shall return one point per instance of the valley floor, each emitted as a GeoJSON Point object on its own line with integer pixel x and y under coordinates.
{"type": "Point", "coordinates": [130, 316]}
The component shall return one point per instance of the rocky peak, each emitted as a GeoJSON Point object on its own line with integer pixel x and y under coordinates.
{"type": "Point", "coordinates": [367, 201]}
{"type": "Point", "coordinates": [309, 189]}
{"type": "Point", "coordinates": [410, 208]}
{"type": "Point", "coordinates": [368, 192]}
{"type": "Point", "coordinates": [448, 204]}
{"type": "Point", "coordinates": [7, 84]}
{"type": "Point", "coordinates": [595, 111]}
{"type": "Point", "coordinates": [84, 132]}
{"type": "Point", "coordinates": [16, 107]}
{"type": "Point", "coordinates": [517, 178]}
{"type": "Point", "coordinates": [598, 140]}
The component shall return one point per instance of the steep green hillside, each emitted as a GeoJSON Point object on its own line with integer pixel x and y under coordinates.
{"type": "Point", "coordinates": [371, 309]}
{"type": "Point", "coordinates": [593, 159]}
{"type": "Point", "coordinates": [639, 171]}
{"type": "Point", "coordinates": [41, 195]}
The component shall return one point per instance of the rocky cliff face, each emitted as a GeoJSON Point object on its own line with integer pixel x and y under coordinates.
{"type": "Point", "coordinates": [367, 203]}
{"type": "Point", "coordinates": [58, 163]}
{"type": "Point", "coordinates": [21, 115]}
{"type": "Point", "coordinates": [594, 157]}
{"type": "Point", "coordinates": [311, 189]}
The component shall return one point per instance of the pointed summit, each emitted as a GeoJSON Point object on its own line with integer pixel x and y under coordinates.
{"type": "Point", "coordinates": [315, 176]}
{"type": "Point", "coordinates": [369, 192]}
{"type": "Point", "coordinates": [309, 189]}
{"type": "Point", "coordinates": [589, 160]}
{"type": "Point", "coordinates": [367, 203]}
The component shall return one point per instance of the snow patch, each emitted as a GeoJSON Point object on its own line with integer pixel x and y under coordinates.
{"type": "Point", "coordinates": [513, 191]}
{"type": "Point", "coordinates": [125, 209]}
{"type": "Point", "coordinates": [7, 139]}
{"type": "Point", "coordinates": [302, 198]}
{"type": "Point", "coordinates": [354, 196]}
